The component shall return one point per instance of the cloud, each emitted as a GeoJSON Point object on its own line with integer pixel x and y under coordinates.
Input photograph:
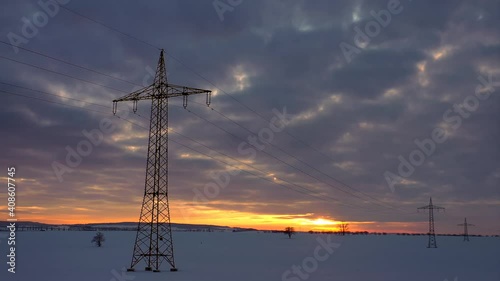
{"type": "Point", "coordinates": [361, 115]}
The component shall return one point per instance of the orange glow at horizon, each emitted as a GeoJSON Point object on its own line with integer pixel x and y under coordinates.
{"type": "Point", "coordinates": [207, 216]}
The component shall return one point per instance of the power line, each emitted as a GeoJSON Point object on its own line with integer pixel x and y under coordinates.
{"type": "Point", "coordinates": [49, 101]}
{"type": "Point", "coordinates": [197, 74]}
{"type": "Point", "coordinates": [243, 163]}
{"type": "Point", "coordinates": [322, 197]}
{"type": "Point", "coordinates": [69, 63]}
{"type": "Point", "coordinates": [108, 27]}
{"type": "Point", "coordinates": [59, 73]}
{"type": "Point", "coordinates": [141, 126]}
{"type": "Point", "coordinates": [46, 93]}
{"type": "Point", "coordinates": [383, 204]}
{"type": "Point", "coordinates": [273, 156]}
{"type": "Point", "coordinates": [94, 71]}
{"type": "Point", "coordinates": [244, 105]}
{"type": "Point", "coordinates": [302, 190]}
{"type": "Point", "coordinates": [250, 166]}
{"type": "Point", "coordinates": [218, 112]}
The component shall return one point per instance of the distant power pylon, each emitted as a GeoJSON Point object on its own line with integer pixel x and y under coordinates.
{"type": "Point", "coordinates": [432, 235]}
{"type": "Point", "coordinates": [466, 229]}
{"type": "Point", "coordinates": [153, 243]}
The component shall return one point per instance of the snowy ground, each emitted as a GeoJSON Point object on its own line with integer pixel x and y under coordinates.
{"type": "Point", "coordinates": [69, 256]}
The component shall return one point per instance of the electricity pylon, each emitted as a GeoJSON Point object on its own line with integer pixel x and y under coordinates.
{"type": "Point", "coordinates": [432, 235]}
{"type": "Point", "coordinates": [466, 230]}
{"type": "Point", "coordinates": [153, 243]}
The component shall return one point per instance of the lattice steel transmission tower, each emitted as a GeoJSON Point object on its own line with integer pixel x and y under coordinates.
{"type": "Point", "coordinates": [432, 235]}
{"type": "Point", "coordinates": [153, 243]}
{"type": "Point", "coordinates": [466, 229]}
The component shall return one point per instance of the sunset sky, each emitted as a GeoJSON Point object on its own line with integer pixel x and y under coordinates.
{"type": "Point", "coordinates": [351, 117]}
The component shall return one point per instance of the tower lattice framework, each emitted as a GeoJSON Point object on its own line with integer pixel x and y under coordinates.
{"type": "Point", "coordinates": [153, 243]}
{"type": "Point", "coordinates": [466, 229]}
{"type": "Point", "coordinates": [432, 234]}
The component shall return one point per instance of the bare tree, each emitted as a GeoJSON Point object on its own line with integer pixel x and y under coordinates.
{"type": "Point", "coordinates": [343, 228]}
{"type": "Point", "coordinates": [98, 239]}
{"type": "Point", "coordinates": [289, 231]}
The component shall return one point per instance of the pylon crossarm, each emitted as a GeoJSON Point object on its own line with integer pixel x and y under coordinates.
{"type": "Point", "coordinates": [141, 94]}
{"type": "Point", "coordinates": [148, 93]}
{"type": "Point", "coordinates": [182, 90]}
{"type": "Point", "coordinates": [177, 91]}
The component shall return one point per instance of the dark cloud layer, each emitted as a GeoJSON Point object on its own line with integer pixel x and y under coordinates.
{"type": "Point", "coordinates": [361, 114]}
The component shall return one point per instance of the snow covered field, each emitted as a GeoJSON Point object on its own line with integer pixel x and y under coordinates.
{"type": "Point", "coordinates": [69, 256]}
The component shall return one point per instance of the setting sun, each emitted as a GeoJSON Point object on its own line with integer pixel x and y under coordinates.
{"type": "Point", "coordinates": [321, 221]}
